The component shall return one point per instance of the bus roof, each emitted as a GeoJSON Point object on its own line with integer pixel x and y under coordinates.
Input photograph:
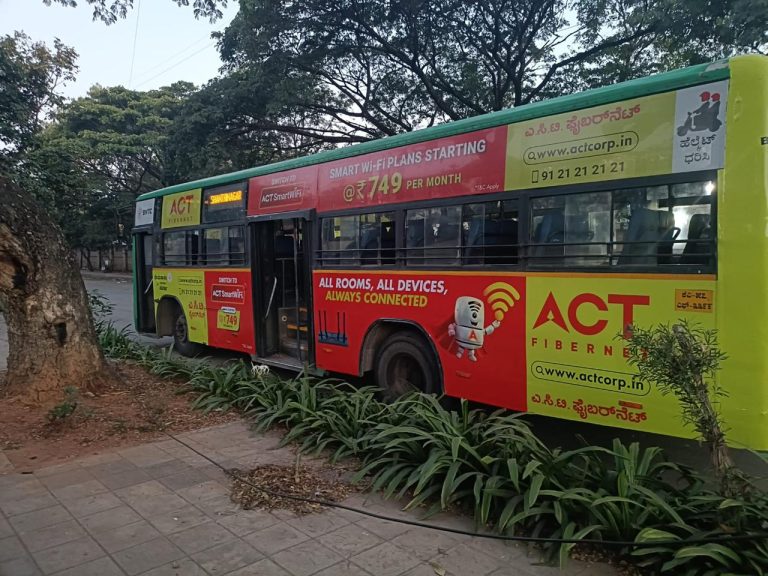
{"type": "Point", "coordinates": [664, 82]}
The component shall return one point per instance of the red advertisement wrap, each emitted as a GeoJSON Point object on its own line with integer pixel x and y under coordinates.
{"type": "Point", "coordinates": [229, 309]}
{"type": "Point", "coordinates": [283, 191]}
{"type": "Point", "coordinates": [471, 163]}
{"type": "Point", "coordinates": [476, 324]}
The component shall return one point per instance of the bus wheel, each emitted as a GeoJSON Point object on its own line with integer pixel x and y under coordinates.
{"type": "Point", "coordinates": [181, 341]}
{"type": "Point", "coordinates": [406, 364]}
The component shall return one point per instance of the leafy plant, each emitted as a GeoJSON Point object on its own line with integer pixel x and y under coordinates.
{"type": "Point", "coordinates": [64, 409]}
{"type": "Point", "coordinates": [683, 360]}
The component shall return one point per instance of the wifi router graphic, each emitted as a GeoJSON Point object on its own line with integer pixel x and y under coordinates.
{"type": "Point", "coordinates": [501, 297]}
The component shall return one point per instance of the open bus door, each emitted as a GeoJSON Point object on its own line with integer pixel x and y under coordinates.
{"type": "Point", "coordinates": [145, 297]}
{"type": "Point", "coordinates": [282, 291]}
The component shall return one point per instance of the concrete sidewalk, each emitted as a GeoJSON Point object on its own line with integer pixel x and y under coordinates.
{"type": "Point", "coordinates": [160, 509]}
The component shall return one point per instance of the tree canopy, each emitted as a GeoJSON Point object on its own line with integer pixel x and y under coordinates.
{"type": "Point", "coordinates": [30, 75]}
{"type": "Point", "coordinates": [109, 11]}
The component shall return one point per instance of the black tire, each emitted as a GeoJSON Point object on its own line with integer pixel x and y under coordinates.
{"type": "Point", "coordinates": [406, 363]}
{"type": "Point", "coordinates": [181, 341]}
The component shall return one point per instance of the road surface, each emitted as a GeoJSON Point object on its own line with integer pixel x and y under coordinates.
{"type": "Point", "coordinates": [117, 288]}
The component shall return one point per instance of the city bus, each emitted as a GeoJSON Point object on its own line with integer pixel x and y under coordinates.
{"type": "Point", "coordinates": [499, 258]}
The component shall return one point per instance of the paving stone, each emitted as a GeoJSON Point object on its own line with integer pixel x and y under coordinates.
{"type": "Point", "coordinates": [30, 504]}
{"type": "Point", "coordinates": [88, 505]}
{"type": "Point", "coordinates": [113, 518]}
{"type": "Point", "coordinates": [143, 490]}
{"type": "Point", "coordinates": [306, 558]}
{"type": "Point", "coordinates": [168, 468]}
{"type": "Point", "coordinates": [225, 558]}
{"type": "Point", "coordinates": [263, 567]}
{"type": "Point", "coordinates": [318, 524]}
{"type": "Point", "coordinates": [215, 473]}
{"type": "Point", "coordinates": [100, 567]}
{"type": "Point", "coordinates": [39, 519]}
{"type": "Point", "coordinates": [68, 478]}
{"type": "Point", "coordinates": [23, 566]}
{"type": "Point", "coordinates": [115, 465]}
{"type": "Point", "coordinates": [387, 560]}
{"type": "Point", "coordinates": [52, 535]}
{"type": "Point", "coordinates": [203, 491]}
{"type": "Point", "coordinates": [20, 488]}
{"type": "Point", "coordinates": [125, 479]}
{"type": "Point", "coordinates": [246, 521]}
{"type": "Point", "coordinates": [183, 567]}
{"type": "Point", "coordinates": [152, 506]}
{"type": "Point", "coordinates": [200, 537]}
{"type": "Point", "coordinates": [350, 540]}
{"type": "Point", "coordinates": [432, 570]}
{"type": "Point", "coordinates": [57, 469]}
{"type": "Point", "coordinates": [147, 556]}
{"type": "Point", "coordinates": [275, 538]}
{"type": "Point", "coordinates": [179, 519]}
{"type": "Point", "coordinates": [146, 455]}
{"type": "Point", "coordinates": [5, 528]}
{"type": "Point", "coordinates": [81, 490]}
{"type": "Point", "coordinates": [122, 537]}
{"type": "Point", "coordinates": [507, 552]}
{"type": "Point", "coordinates": [425, 543]}
{"type": "Point", "coordinates": [347, 569]}
{"type": "Point", "coordinates": [11, 548]}
{"type": "Point", "coordinates": [463, 559]}
{"type": "Point", "coordinates": [183, 479]}
{"type": "Point", "coordinates": [99, 460]}
{"type": "Point", "coordinates": [67, 555]}
{"type": "Point", "coordinates": [382, 528]}
{"type": "Point", "coordinates": [218, 507]}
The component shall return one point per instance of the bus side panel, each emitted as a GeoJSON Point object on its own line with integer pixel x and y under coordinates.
{"type": "Point", "coordinates": [476, 323]}
{"type": "Point", "coordinates": [187, 287]}
{"type": "Point", "coordinates": [577, 358]}
{"type": "Point", "coordinates": [742, 304]}
{"type": "Point", "coordinates": [229, 309]}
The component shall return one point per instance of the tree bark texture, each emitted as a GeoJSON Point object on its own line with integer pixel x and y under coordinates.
{"type": "Point", "coordinates": [52, 341]}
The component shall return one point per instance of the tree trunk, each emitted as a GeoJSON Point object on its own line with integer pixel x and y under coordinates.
{"type": "Point", "coordinates": [52, 341]}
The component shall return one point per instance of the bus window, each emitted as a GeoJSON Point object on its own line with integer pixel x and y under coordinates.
{"type": "Point", "coordinates": [181, 248]}
{"type": "Point", "coordinates": [571, 230]}
{"type": "Point", "coordinates": [377, 239]}
{"type": "Point", "coordinates": [489, 233]}
{"type": "Point", "coordinates": [432, 235]}
{"type": "Point", "coordinates": [236, 245]}
{"type": "Point", "coordinates": [692, 210]}
{"type": "Point", "coordinates": [644, 228]}
{"type": "Point", "coordinates": [340, 237]}
{"type": "Point", "coordinates": [215, 245]}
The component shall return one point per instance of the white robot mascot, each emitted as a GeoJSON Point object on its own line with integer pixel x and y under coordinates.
{"type": "Point", "coordinates": [469, 316]}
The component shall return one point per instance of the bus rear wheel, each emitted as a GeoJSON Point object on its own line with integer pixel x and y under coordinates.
{"type": "Point", "coordinates": [181, 341]}
{"type": "Point", "coordinates": [406, 364]}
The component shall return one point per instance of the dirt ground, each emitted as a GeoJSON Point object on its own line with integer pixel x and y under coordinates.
{"type": "Point", "coordinates": [135, 409]}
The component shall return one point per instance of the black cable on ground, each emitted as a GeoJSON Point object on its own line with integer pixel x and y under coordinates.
{"type": "Point", "coordinates": [491, 536]}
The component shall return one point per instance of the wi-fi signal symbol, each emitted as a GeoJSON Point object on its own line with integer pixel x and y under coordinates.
{"type": "Point", "coordinates": [501, 297]}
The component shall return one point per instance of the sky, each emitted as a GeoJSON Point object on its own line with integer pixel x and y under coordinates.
{"type": "Point", "coordinates": [170, 45]}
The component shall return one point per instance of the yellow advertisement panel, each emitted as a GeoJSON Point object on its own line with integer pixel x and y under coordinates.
{"type": "Point", "coordinates": [577, 360]}
{"type": "Point", "coordinates": [666, 133]}
{"type": "Point", "coordinates": [188, 287]}
{"type": "Point", "coordinates": [181, 209]}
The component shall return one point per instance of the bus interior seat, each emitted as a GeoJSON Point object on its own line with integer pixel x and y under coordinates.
{"type": "Point", "coordinates": [649, 239]}
{"type": "Point", "coordinates": [495, 239]}
{"type": "Point", "coordinates": [697, 249]}
{"type": "Point", "coordinates": [550, 230]}
{"type": "Point", "coordinates": [369, 243]}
